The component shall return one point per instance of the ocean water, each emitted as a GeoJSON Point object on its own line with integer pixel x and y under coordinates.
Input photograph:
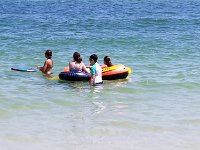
{"type": "Point", "coordinates": [157, 107]}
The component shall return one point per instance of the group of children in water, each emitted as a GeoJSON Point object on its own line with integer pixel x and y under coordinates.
{"type": "Point", "coordinates": [77, 65]}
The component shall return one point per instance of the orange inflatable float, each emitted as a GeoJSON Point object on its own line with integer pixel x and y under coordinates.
{"type": "Point", "coordinates": [115, 72]}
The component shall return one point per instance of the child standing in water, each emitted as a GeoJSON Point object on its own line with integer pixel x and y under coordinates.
{"type": "Point", "coordinates": [96, 71]}
{"type": "Point", "coordinates": [48, 64]}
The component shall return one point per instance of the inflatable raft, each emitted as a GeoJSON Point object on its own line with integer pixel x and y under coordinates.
{"type": "Point", "coordinates": [115, 72]}
{"type": "Point", "coordinates": [74, 76]}
{"type": "Point", "coordinates": [108, 73]}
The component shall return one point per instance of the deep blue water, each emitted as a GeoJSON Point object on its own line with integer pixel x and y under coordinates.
{"type": "Point", "coordinates": [157, 107]}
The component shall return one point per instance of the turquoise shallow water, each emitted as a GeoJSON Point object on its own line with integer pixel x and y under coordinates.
{"type": "Point", "coordinates": [157, 107]}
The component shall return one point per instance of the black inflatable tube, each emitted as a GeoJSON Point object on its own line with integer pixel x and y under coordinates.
{"type": "Point", "coordinates": [74, 76]}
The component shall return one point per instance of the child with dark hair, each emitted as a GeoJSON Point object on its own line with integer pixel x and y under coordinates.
{"type": "Point", "coordinates": [107, 61]}
{"type": "Point", "coordinates": [48, 64]}
{"type": "Point", "coordinates": [96, 71]}
{"type": "Point", "coordinates": [77, 64]}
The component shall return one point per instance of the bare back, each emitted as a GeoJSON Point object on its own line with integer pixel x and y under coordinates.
{"type": "Point", "coordinates": [77, 66]}
{"type": "Point", "coordinates": [48, 65]}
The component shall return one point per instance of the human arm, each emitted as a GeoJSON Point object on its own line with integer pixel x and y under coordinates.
{"type": "Point", "coordinates": [45, 67]}
{"type": "Point", "coordinates": [92, 78]}
{"type": "Point", "coordinates": [70, 65]}
{"type": "Point", "coordinates": [103, 66]}
{"type": "Point", "coordinates": [91, 82]}
{"type": "Point", "coordinates": [84, 68]}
